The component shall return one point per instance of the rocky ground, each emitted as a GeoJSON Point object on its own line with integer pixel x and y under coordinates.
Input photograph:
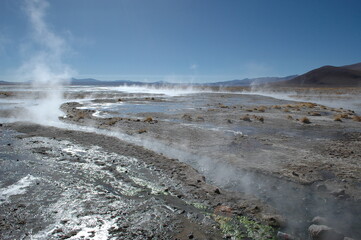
{"type": "Point", "coordinates": [64, 184]}
{"type": "Point", "coordinates": [301, 158]}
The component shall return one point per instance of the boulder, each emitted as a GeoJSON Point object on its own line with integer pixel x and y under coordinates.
{"type": "Point", "coordinates": [322, 232]}
{"type": "Point", "coordinates": [319, 220]}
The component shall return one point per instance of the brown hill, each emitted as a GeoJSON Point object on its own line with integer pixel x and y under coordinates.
{"type": "Point", "coordinates": [356, 67]}
{"type": "Point", "coordinates": [327, 76]}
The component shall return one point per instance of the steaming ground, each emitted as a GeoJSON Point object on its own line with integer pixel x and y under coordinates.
{"type": "Point", "coordinates": [62, 184]}
{"type": "Point", "coordinates": [250, 144]}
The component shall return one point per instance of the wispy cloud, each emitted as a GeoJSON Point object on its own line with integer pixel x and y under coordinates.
{"type": "Point", "coordinates": [193, 67]}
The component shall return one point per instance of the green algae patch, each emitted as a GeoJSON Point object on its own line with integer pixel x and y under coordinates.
{"type": "Point", "coordinates": [199, 206]}
{"type": "Point", "coordinates": [256, 230]}
{"type": "Point", "coordinates": [242, 227]}
{"type": "Point", "coordinates": [230, 228]}
{"type": "Point", "coordinates": [238, 227]}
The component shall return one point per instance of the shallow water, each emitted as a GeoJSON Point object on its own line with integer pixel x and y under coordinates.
{"type": "Point", "coordinates": [132, 108]}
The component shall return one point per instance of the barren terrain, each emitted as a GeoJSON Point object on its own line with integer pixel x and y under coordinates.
{"type": "Point", "coordinates": [277, 162]}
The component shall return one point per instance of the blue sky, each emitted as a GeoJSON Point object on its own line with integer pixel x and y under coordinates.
{"type": "Point", "coordinates": [185, 40]}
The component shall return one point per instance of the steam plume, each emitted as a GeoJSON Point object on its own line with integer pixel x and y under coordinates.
{"type": "Point", "coordinates": [45, 67]}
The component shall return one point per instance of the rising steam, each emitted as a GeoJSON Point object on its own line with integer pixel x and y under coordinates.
{"type": "Point", "coordinates": [44, 67]}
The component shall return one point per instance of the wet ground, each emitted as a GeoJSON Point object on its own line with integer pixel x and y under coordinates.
{"type": "Point", "coordinates": [57, 189]}
{"type": "Point", "coordinates": [61, 184]}
{"type": "Point", "coordinates": [242, 144]}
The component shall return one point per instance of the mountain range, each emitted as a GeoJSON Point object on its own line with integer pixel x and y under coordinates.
{"type": "Point", "coordinates": [250, 81]}
{"type": "Point", "coordinates": [326, 76]}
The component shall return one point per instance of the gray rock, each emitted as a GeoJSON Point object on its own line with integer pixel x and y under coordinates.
{"type": "Point", "coordinates": [319, 220]}
{"type": "Point", "coordinates": [338, 192]}
{"type": "Point", "coordinates": [322, 232]}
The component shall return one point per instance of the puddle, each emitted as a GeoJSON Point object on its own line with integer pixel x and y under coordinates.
{"type": "Point", "coordinates": [131, 108]}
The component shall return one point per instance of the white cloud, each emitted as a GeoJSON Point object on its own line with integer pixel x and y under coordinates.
{"type": "Point", "coordinates": [194, 67]}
